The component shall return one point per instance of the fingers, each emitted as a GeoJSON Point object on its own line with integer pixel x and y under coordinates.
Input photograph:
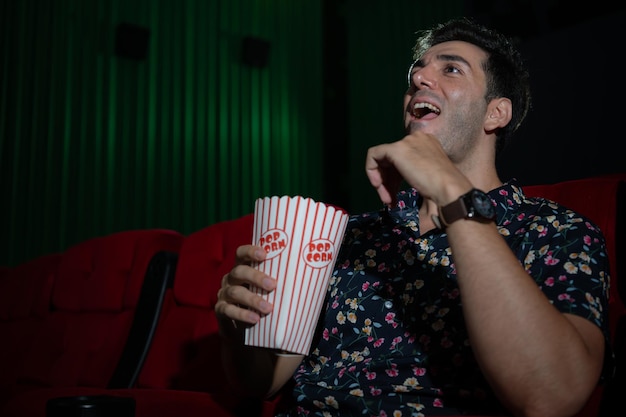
{"type": "Point", "coordinates": [382, 173]}
{"type": "Point", "coordinates": [236, 300]}
{"type": "Point", "coordinates": [247, 254]}
{"type": "Point", "coordinates": [418, 159]}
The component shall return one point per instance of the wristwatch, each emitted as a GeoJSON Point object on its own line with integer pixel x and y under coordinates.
{"type": "Point", "coordinates": [474, 204]}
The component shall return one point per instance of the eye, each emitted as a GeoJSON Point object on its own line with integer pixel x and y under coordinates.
{"type": "Point", "coordinates": [451, 69]}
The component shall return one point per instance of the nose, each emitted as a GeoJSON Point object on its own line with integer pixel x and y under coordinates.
{"type": "Point", "coordinates": [423, 78]}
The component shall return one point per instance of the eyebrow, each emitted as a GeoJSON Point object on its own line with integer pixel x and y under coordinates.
{"type": "Point", "coordinates": [442, 57]}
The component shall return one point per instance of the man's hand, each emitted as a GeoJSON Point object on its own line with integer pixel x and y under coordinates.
{"type": "Point", "coordinates": [253, 371]}
{"type": "Point", "coordinates": [234, 299]}
{"type": "Point", "coordinates": [420, 160]}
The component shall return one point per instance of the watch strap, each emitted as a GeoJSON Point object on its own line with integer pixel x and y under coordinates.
{"type": "Point", "coordinates": [454, 211]}
{"type": "Point", "coordinates": [475, 204]}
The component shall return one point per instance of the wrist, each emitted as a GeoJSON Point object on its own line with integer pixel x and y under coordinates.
{"type": "Point", "coordinates": [474, 204]}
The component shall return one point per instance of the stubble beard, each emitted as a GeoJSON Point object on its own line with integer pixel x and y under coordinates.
{"type": "Point", "coordinates": [460, 135]}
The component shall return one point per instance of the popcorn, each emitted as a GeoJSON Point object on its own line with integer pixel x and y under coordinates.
{"type": "Point", "coordinates": [301, 238]}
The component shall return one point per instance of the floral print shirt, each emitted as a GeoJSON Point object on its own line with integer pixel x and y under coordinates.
{"type": "Point", "coordinates": [393, 342]}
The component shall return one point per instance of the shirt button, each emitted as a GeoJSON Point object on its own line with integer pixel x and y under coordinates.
{"type": "Point", "coordinates": [388, 304]}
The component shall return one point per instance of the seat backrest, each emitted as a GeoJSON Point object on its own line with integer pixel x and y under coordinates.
{"type": "Point", "coordinates": [93, 302]}
{"type": "Point", "coordinates": [185, 354]}
{"type": "Point", "coordinates": [603, 201]}
{"type": "Point", "coordinates": [25, 299]}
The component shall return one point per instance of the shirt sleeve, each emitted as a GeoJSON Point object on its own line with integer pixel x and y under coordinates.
{"type": "Point", "coordinates": [566, 255]}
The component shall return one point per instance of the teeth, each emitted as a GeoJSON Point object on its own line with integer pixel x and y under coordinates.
{"type": "Point", "coordinates": [421, 109]}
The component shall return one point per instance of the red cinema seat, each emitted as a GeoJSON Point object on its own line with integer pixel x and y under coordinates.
{"type": "Point", "coordinates": [25, 299]}
{"type": "Point", "coordinates": [83, 342]}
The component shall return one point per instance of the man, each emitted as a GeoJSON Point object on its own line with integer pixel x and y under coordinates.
{"type": "Point", "coordinates": [460, 296]}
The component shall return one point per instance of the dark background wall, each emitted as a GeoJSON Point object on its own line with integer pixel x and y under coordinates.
{"type": "Point", "coordinates": [92, 141]}
{"type": "Point", "coordinates": [575, 128]}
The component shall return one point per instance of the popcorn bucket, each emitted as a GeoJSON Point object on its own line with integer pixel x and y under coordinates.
{"type": "Point", "coordinates": [301, 238]}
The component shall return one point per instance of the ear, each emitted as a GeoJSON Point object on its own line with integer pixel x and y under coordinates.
{"type": "Point", "coordinates": [498, 113]}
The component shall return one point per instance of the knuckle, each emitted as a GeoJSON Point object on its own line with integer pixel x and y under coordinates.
{"type": "Point", "coordinates": [236, 271]}
{"type": "Point", "coordinates": [230, 291]}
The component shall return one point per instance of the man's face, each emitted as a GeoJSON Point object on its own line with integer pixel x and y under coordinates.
{"type": "Point", "coordinates": [446, 95]}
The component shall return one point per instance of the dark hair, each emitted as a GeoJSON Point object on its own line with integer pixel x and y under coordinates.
{"type": "Point", "coordinates": [505, 70]}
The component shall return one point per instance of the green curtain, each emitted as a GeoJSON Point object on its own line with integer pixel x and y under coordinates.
{"type": "Point", "coordinates": [92, 142]}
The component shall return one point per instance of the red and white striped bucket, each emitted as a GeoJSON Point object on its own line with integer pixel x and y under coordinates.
{"type": "Point", "coordinates": [301, 238]}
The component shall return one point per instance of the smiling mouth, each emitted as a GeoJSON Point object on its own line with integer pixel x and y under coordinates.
{"type": "Point", "coordinates": [422, 109]}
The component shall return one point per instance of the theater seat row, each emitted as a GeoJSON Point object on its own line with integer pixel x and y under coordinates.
{"type": "Point", "coordinates": [84, 317]}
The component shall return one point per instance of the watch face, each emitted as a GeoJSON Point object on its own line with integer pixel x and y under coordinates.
{"type": "Point", "coordinates": [482, 204]}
